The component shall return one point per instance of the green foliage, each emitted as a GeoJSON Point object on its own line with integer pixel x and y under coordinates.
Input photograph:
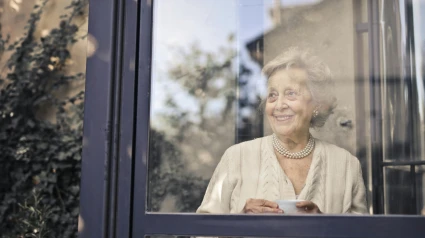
{"type": "Point", "coordinates": [34, 216]}
{"type": "Point", "coordinates": [181, 137]}
{"type": "Point", "coordinates": [206, 76]}
{"type": "Point", "coordinates": [168, 177]}
{"type": "Point", "coordinates": [36, 154]}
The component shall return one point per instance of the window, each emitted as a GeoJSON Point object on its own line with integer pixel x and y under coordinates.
{"type": "Point", "coordinates": [198, 91]}
{"type": "Point", "coordinates": [207, 87]}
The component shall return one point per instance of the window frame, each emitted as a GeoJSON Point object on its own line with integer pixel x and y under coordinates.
{"type": "Point", "coordinates": [116, 147]}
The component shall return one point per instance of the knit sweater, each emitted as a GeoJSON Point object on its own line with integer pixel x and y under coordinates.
{"type": "Point", "coordinates": [251, 170]}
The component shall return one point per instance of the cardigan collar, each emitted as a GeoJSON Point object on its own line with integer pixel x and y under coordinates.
{"type": "Point", "coordinates": [276, 185]}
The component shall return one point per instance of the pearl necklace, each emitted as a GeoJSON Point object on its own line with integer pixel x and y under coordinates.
{"type": "Point", "coordinates": [297, 155]}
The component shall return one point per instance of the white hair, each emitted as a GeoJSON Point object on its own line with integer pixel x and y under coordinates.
{"type": "Point", "coordinates": [319, 81]}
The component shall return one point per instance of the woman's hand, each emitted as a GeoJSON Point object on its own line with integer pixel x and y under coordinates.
{"type": "Point", "coordinates": [309, 207]}
{"type": "Point", "coordinates": [261, 206]}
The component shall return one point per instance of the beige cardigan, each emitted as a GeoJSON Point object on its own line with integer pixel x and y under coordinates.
{"type": "Point", "coordinates": [251, 170]}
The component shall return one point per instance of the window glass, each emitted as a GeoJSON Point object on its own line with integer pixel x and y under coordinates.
{"type": "Point", "coordinates": [218, 81]}
{"type": "Point", "coordinates": [194, 88]}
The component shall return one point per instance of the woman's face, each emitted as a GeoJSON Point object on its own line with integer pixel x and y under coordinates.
{"type": "Point", "coordinates": [289, 105]}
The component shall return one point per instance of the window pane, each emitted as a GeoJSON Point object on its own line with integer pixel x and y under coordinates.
{"type": "Point", "coordinates": [193, 90]}
{"type": "Point", "coordinates": [403, 110]}
{"type": "Point", "coordinates": [420, 192]}
{"type": "Point", "coordinates": [419, 29]}
{"type": "Point", "coordinates": [404, 189]}
{"type": "Point", "coordinates": [399, 190]}
{"type": "Point", "coordinates": [213, 87]}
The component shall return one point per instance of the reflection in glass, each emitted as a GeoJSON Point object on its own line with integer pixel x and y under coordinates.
{"type": "Point", "coordinates": [400, 121]}
{"type": "Point", "coordinates": [207, 88]}
{"type": "Point", "coordinates": [419, 40]}
{"type": "Point", "coordinates": [400, 189]}
{"type": "Point", "coordinates": [193, 91]}
{"type": "Point", "coordinates": [402, 105]}
{"type": "Point", "coordinates": [420, 192]}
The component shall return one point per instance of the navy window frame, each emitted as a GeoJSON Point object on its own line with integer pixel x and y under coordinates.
{"type": "Point", "coordinates": [116, 137]}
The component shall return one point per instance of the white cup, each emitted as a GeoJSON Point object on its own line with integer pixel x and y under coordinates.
{"type": "Point", "coordinates": [289, 206]}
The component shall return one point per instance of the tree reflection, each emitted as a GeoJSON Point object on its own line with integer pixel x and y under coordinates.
{"type": "Point", "coordinates": [168, 178]}
{"type": "Point", "coordinates": [193, 133]}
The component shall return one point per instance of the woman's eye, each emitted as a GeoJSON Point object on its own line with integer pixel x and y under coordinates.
{"type": "Point", "coordinates": [291, 93]}
{"type": "Point", "coordinates": [272, 96]}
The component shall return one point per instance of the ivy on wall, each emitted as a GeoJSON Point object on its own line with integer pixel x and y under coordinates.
{"type": "Point", "coordinates": [40, 159]}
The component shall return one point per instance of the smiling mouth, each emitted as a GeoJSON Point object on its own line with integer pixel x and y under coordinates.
{"type": "Point", "coordinates": [283, 118]}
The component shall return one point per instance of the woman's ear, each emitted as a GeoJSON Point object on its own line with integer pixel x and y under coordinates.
{"type": "Point", "coordinates": [316, 111]}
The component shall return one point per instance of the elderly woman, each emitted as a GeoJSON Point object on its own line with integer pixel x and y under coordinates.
{"type": "Point", "coordinates": [290, 163]}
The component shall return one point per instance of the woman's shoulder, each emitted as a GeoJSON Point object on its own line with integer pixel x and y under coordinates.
{"type": "Point", "coordinates": [331, 147]}
{"type": "Point", "coordinates": [340, 159]}
{"type": "Point", "coordinates": [332, 150]}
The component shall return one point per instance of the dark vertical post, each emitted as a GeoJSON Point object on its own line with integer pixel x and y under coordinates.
{"type": "Point", "coordinates": [413, 188]}
{"type": "Point", "coordinates": [98, 116]}
{"type": "Point", "coordinates": [115, 120]}
{"type": "Point", "coordinates": [376, 108]}
{"type": "Point", "coordinates": [106, 184]}
{"type": "Point", "coordinates": [415, 127]}
{"type": "Point", "coordinates": [142, 118]}
{"type": "Point", "coordinates": [129, 48]}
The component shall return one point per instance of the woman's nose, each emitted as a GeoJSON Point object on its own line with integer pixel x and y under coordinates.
{"type": "Point", "coordinates": [281, 103]}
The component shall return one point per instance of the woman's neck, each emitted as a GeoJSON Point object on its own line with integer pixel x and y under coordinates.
{"type": "Point", "coordinates": [294, 143]}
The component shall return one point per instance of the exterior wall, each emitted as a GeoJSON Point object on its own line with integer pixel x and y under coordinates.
{"type": "Point", "coordinates": [328, 29]}
{"type": "Point", "coordinates": [13, 18]}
